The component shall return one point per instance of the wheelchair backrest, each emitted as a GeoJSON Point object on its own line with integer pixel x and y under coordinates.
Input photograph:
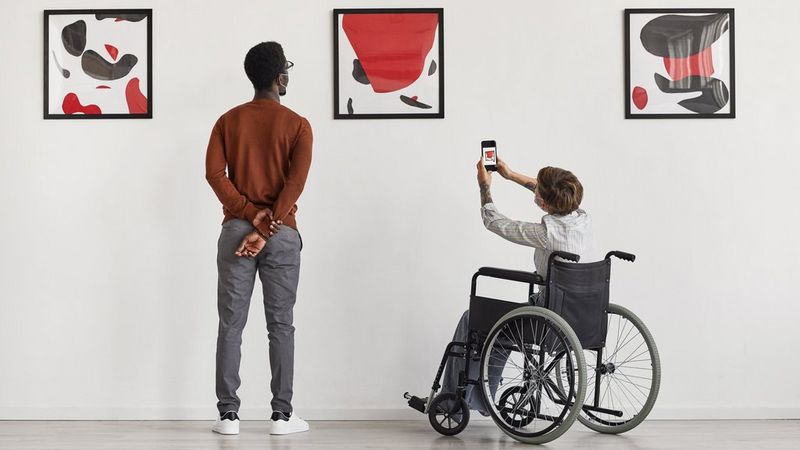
{"type": "Point", "coordinates": [579, 294]}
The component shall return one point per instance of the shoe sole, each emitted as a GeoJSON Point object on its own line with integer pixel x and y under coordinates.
{"type": "Point", "coordinates": [226, 433]}
{"type": "Point", "coordinates": [283, 433]}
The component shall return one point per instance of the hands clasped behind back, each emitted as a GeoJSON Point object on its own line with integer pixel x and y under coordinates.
{"type": "Point", "coordinates": [254, 242]}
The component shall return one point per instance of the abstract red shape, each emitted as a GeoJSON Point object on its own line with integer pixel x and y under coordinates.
{"type": "Point", "coordinates": [701, 64]}
{"type": "Point", "coordinates": [103, 86]}
{"type": "Point", "coordinates": [72, 105]}
{"type": "Point", "coordinates": [414, 98]}
{"type": "Point", "coordinates": [490, 154]}
{"type": "Point", "coordinates": [391, 47]}
{"type": "Point", "coordinates": [639, 97]}
{"type": "Point", "coordinates": [137, 102]}
{"type": "Point", "coordinates": [119, 19]}
{"type": "Point", "coordinates": [112, 51]}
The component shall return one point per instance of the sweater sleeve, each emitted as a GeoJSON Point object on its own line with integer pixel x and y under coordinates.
{"type": "Point", "coordinates": [216, 163]}
{"type": "Point", "coordinates": [299, 164]}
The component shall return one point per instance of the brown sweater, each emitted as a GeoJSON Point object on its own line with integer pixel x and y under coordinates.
{"type": "Point", "coordinates": [267, 150]}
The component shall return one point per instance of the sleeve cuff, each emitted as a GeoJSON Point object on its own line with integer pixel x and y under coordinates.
{"type": "Point", "coordinates": [263, 228]}
{"type": "Point", "coordinates": [250, 212]}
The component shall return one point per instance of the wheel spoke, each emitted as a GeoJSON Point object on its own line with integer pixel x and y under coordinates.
{"type": "Point", "coordinates": [630, 357]}
{"type": "Point", "coordinates": [633, 351]}
{"type": "Point", "coordinates": [628, 394]}
{"type": "Point", "coordinates": [626, 339]}
{"type": "Point", "coordinates": [631, 376]}
{"type": "Point", "coordinates": [637, 385]}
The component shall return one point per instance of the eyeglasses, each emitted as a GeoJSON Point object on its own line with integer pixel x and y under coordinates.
{"type": "Point", "coordinates": [289, 66]}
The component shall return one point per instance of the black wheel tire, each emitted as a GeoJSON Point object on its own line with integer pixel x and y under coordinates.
{"type": "Point", "coordinates": [514, 393]}
{"type": "Point", "coordinates": [448, 414]}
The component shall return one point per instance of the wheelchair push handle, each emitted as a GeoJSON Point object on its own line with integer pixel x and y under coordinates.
{"type": "Point", "coordinates": [565, 255]}
{"type": "Point", "coordinates": [621, 255]}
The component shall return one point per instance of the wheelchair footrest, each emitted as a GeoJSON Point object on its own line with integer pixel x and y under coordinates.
{"type": "Point", "coordinates": [611, 412]}
{"type": "Point", "coordinates": [415, 402]}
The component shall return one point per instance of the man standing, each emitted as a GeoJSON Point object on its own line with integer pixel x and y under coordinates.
{"type": "Point", "coordinates": [266, 148]}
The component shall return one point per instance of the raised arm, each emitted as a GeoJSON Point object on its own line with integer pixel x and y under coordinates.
{"type": "Point", "coordinates": [528, 234]}
{"type": "Point", "coordinates": [522, 180]}
{"type": "Point", "coordinates": [518, 232]}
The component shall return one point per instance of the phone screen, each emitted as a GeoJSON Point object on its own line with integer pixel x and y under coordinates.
{"type": "Point", "coordinates": [489, 156]}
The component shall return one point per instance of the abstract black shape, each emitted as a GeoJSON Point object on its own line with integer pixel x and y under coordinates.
{"type": "Point", "coordinates": [98, 68]}
{"type": "Point", "coordinates": [73, 36]}
{"type": "Point", "coordinates": [676, 36]}
{"type": "Point", "coordinates": [358, 72]}
{"type": "Point", "coordinates": [432, 68]}
{"type": "Point", "coordinates": [64, 72]}
{"type": "Point", "coordinates": [350, 106]}
{"type": "Point", "coordinates": [413, 102]}
{"type": "Point", "coordinates": [714, 94]}
{"type": "Point", "coordinates": [128, 17]}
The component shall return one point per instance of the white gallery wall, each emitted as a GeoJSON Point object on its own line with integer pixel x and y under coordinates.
{"type": "Point", "coordinates": [108, 231]}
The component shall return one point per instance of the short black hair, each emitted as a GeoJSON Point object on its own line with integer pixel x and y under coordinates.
{"type": "Point", "coordinates": [264, 63]}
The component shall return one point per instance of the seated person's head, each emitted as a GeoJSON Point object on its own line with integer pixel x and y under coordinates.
{"type": "Point", "coordinates": [558, 191]}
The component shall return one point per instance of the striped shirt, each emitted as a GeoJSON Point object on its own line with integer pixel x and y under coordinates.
{"type": "Point", "coordinates": [568, 233]}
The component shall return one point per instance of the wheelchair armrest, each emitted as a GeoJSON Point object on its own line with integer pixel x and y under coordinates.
{"type": "Point", "coordinates": [621, 255]}
{"type": "Point", "coordinates": [512, 275]}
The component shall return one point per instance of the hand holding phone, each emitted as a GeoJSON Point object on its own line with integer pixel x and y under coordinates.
{"type": "Point", "coordinates": [489, 155]}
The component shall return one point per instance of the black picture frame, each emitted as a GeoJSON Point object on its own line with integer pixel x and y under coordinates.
{"type": "Point", "coordinates": [47, 58]}
{"type": "Point", "coordinates": [629, 114]}
{"type": "Point", "coordinates": [440, 62]}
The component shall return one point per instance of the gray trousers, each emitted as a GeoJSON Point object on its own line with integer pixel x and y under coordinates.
{"type": "Point", "coordinates": [455, 366]}
{"type": "Point", "coordinates": [278, 267]}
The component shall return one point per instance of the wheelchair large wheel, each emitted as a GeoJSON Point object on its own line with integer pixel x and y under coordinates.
{"type": "Point", "coordinates": [448, 414]}
{"type": "Point", "coordinates": [521, 356]}
{"type": "Point", "coordinates": [625, 384]}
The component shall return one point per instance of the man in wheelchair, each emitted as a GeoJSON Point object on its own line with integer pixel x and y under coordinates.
{"type": "Point", "coordinates": [564, 227]}
{"type": "Point", "coordinates": [568, 354]}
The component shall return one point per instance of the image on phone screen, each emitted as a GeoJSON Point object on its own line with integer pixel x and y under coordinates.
{"type": "Point", "coordinates": [489, 154]}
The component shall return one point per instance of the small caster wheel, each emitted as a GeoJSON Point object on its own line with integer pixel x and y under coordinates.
{"type": "Point", "coordinates": [517, 406]}
{"type": "Point", "coordinates": [448, 414]}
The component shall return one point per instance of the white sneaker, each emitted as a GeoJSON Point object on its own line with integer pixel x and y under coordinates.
{"type": "Point", "coordinates": [227, 423]}
{"type": "Point", "coordinates": [281, 424]}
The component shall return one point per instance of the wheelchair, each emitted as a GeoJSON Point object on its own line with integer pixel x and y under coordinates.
{"type": "Point", "coordinates": [578, 357]}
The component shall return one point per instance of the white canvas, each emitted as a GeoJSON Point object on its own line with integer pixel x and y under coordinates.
{"type": "Point", "coordinates": [127, 37]}
{"type": "Point", "coordinates": [644, 66]}
{"type": "Point", "coordinates": [366, 101]}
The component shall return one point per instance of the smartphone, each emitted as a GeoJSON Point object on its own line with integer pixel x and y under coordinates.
{"type": "Point", "coordinates": [489, 155]}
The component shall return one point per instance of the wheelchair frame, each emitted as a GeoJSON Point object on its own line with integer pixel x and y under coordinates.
{"type": "Point", "coordinates": [472, 349]}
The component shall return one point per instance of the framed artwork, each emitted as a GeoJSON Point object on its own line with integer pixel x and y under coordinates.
{"type": "Point", "coordinates": [98, 64]}
{"type": "Point", "coordinates": [388, 63]}
{"type": "Point", "coordinates": [679, 63]}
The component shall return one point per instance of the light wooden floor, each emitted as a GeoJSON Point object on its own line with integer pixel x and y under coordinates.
{"type": "Point", "coordinates": [194, 435]}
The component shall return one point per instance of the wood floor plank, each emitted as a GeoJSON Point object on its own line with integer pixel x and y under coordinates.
{"type": "Point", "coordinates": [483, 435]}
